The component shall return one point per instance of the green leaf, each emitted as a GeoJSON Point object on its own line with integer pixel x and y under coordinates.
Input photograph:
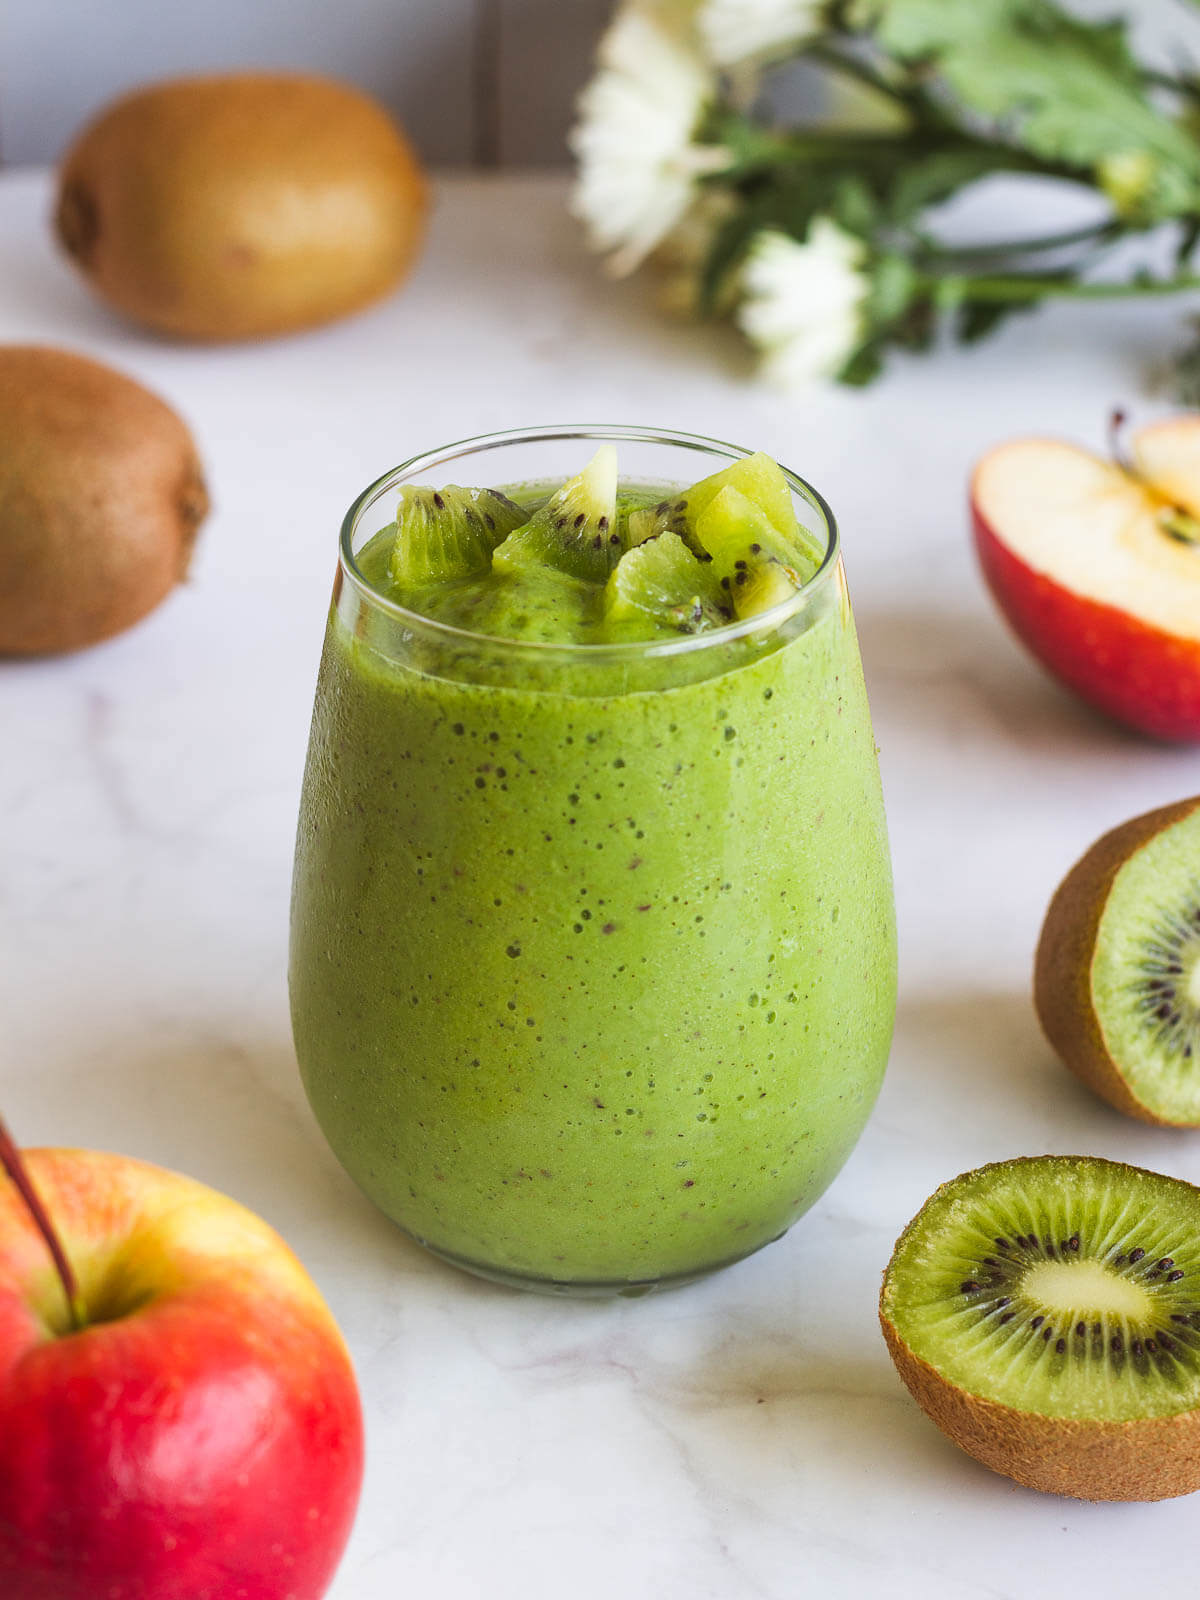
{"type": "Point", "coordinates": [893, 284]}
{"type": "Point", "coordinates": [975, 319]}
{"type": "Point", "coordinates": [1070, 92]}
{"type": "Point", "coordinates": [928, 180]}
{"type": "Point", "coordinates": [863, 367]}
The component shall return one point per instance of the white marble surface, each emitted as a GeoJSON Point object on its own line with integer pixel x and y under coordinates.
{"type": "Point", "coordinates": [745, 1437]}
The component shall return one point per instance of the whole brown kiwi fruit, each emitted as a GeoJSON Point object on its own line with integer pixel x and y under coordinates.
{"type": "Point", "coordinates": [241, 206]}
{"type": "Point", "coordinates": [101, 496]}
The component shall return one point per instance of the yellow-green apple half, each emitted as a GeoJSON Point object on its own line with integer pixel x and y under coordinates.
{"type": "Point", "coordinates": [199, 1435]}
{"type": "Point", "coordinates": [1096, 565]}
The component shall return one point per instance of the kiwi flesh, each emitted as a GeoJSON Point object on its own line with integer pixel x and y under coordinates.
{"type": "Point", "coordinates": [101, 498]}
{"type": "Point", "coordinates": [762, 481]}
{"type": "Point", "coordinates": [241, 205]}
{"type": "Point", "coordinates": [752, 563]}
{"type": "Point", "coordinates": [664, 516]}
{"type": "Point", "coordinates": [1117, 971]}
{"type": "Point", "coordinates": [1045, 1313]}
{"type": "Point", "coordinates": [449, 532]}
{"type": "Point", "coordinates": [575, 530]}
{"type": "Point", "coordinates": [661, 581]}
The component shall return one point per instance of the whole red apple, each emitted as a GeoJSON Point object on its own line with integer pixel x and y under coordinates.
{"type": "Point", "coordinates": [199, 1437]}
{"type": "Point", "coordinates": [1096, 565]}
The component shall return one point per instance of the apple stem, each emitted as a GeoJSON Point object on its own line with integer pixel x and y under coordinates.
{"type": "Point", "coordinates": [1116, 421]}
{"type": "Point", "coordinates": [14, 1164]}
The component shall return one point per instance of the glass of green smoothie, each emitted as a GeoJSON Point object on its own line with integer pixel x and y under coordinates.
{"type": "Point", "coordinates": [593, 946]}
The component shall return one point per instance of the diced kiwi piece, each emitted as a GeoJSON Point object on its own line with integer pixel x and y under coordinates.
{"type": "Point", "coordinates": [664, 516]}
{"type": "Point", "coordinates": [761, 480]}
{"type": "Point", "coordinates": [1045, 1312]}
{"type": "Point", "coordinates": [575, 530]}
{"type": "Point", "coordinates": [448, 533]}
{"type": "Point", "coordinates": [662, 583]}
{"type": "Point", "coordinates": [1117, 975]}
{"type": "Point", "coordinates": [753, 564]}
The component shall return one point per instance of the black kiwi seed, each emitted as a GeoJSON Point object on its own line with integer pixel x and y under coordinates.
{"type": "Point", "coordinates": [1174, 1018]}
{"type": "Point", "coordinates": [1136, 1255]}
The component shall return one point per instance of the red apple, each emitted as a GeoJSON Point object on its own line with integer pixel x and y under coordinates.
{"type": "Point", "coordinates": [199, 1437]}
{"type": "Point", "coordinates": [1097, 568]}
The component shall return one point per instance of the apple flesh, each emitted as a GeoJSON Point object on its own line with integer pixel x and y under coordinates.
{"type": "Point", "coordinates": [1095, 568]}
{"type": "Point", "coordinates": [201, 1437]}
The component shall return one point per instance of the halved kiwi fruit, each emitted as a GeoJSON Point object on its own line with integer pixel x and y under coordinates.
{"type": "Point", "coordinates": [575, 530]}
{"type": "Point", "coordinates": [660, 580]}
{"type": "Point", "coordinates": [449, 533]}
{"type": "Point", "coordinates": [1117, 973]}
{"type": "Point", "coordinates": [1045, 1312]}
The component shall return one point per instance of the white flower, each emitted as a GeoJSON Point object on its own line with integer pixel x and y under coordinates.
{"type": "Point", "coordinates": [638, 164]}
{"type": "Point", "coordinates": [805, 303]}
{"type": "Point", "coordinates": [753, 30]}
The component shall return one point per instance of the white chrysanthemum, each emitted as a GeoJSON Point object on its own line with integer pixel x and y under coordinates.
{"type": "Point", "coordinates": [755, 30]}
{"type": "Point", "coordinates": [804, 304]}
{"type": "Point", "coordinates": [638, 164]}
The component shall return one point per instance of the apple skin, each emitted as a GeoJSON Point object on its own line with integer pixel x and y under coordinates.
{"type": "Point", "coordinates": [201, 1438]}
{"type": "Point", "coordinates": [1143, 677]}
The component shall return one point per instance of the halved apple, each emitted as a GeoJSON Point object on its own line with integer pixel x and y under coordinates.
{"type": "Point", "coordinates": [1096, 566]}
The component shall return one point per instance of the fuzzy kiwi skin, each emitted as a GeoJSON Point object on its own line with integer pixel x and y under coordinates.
{"type": "Point", "coordinates": [1147, 1458]}
{"type": "Point", "coordinates": [1156, 1458]}
{"type": "Point", "coordinates": [242, 205]}
{"type": "Point", "coordinates": [1062, 987]}
{"type": "Point", "coordinates": [101, 497]}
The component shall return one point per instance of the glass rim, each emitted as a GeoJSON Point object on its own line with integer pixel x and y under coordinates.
{"type": "Point", "coordinates": [615, 650]}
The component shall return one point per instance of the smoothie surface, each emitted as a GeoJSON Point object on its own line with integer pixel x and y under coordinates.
{"type": "Point", "coordinates": [594, 560]}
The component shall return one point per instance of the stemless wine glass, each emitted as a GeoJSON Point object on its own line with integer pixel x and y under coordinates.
{"type": "Point", "coordinates": [593, 946]}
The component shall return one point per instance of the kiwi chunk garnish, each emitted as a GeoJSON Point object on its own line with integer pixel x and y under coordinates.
{"type": "Point", "coordinates": [575, 530]}
{"type": "Point", "coordinates": [662, 582]}
{"type": "Point", "coordinates": [664, 516]}
{"type": "Point", "coordinates": [1045, 1312]}
{"type": "Point", "coordinates": [1117, 975]}
{"type": "Point", "coordinates": [752, 563]}
{"type": "Point", "coordinates": [448, 533]}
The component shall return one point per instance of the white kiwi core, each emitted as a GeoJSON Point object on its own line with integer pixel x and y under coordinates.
{"type": "Point", "coordinates": [1085, 1288]}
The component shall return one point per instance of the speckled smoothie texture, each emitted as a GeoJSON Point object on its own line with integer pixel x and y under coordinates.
{"type": "Point", "coordinates": [594, 989]}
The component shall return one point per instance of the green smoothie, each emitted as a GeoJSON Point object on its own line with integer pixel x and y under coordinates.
{"type": "Point", "coordinates": [592, 971]}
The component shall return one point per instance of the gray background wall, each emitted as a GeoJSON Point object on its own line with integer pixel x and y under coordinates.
{"type": "Point", "coordinates": [476, 82]}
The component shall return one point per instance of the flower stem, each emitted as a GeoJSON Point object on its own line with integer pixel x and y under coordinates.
{"type": "Point", "coordinates": [954, 288]}
{"type": "Point", "coordinates": [14, 1164]}
{"type": "Point", "coordinates": [1096, 232]}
